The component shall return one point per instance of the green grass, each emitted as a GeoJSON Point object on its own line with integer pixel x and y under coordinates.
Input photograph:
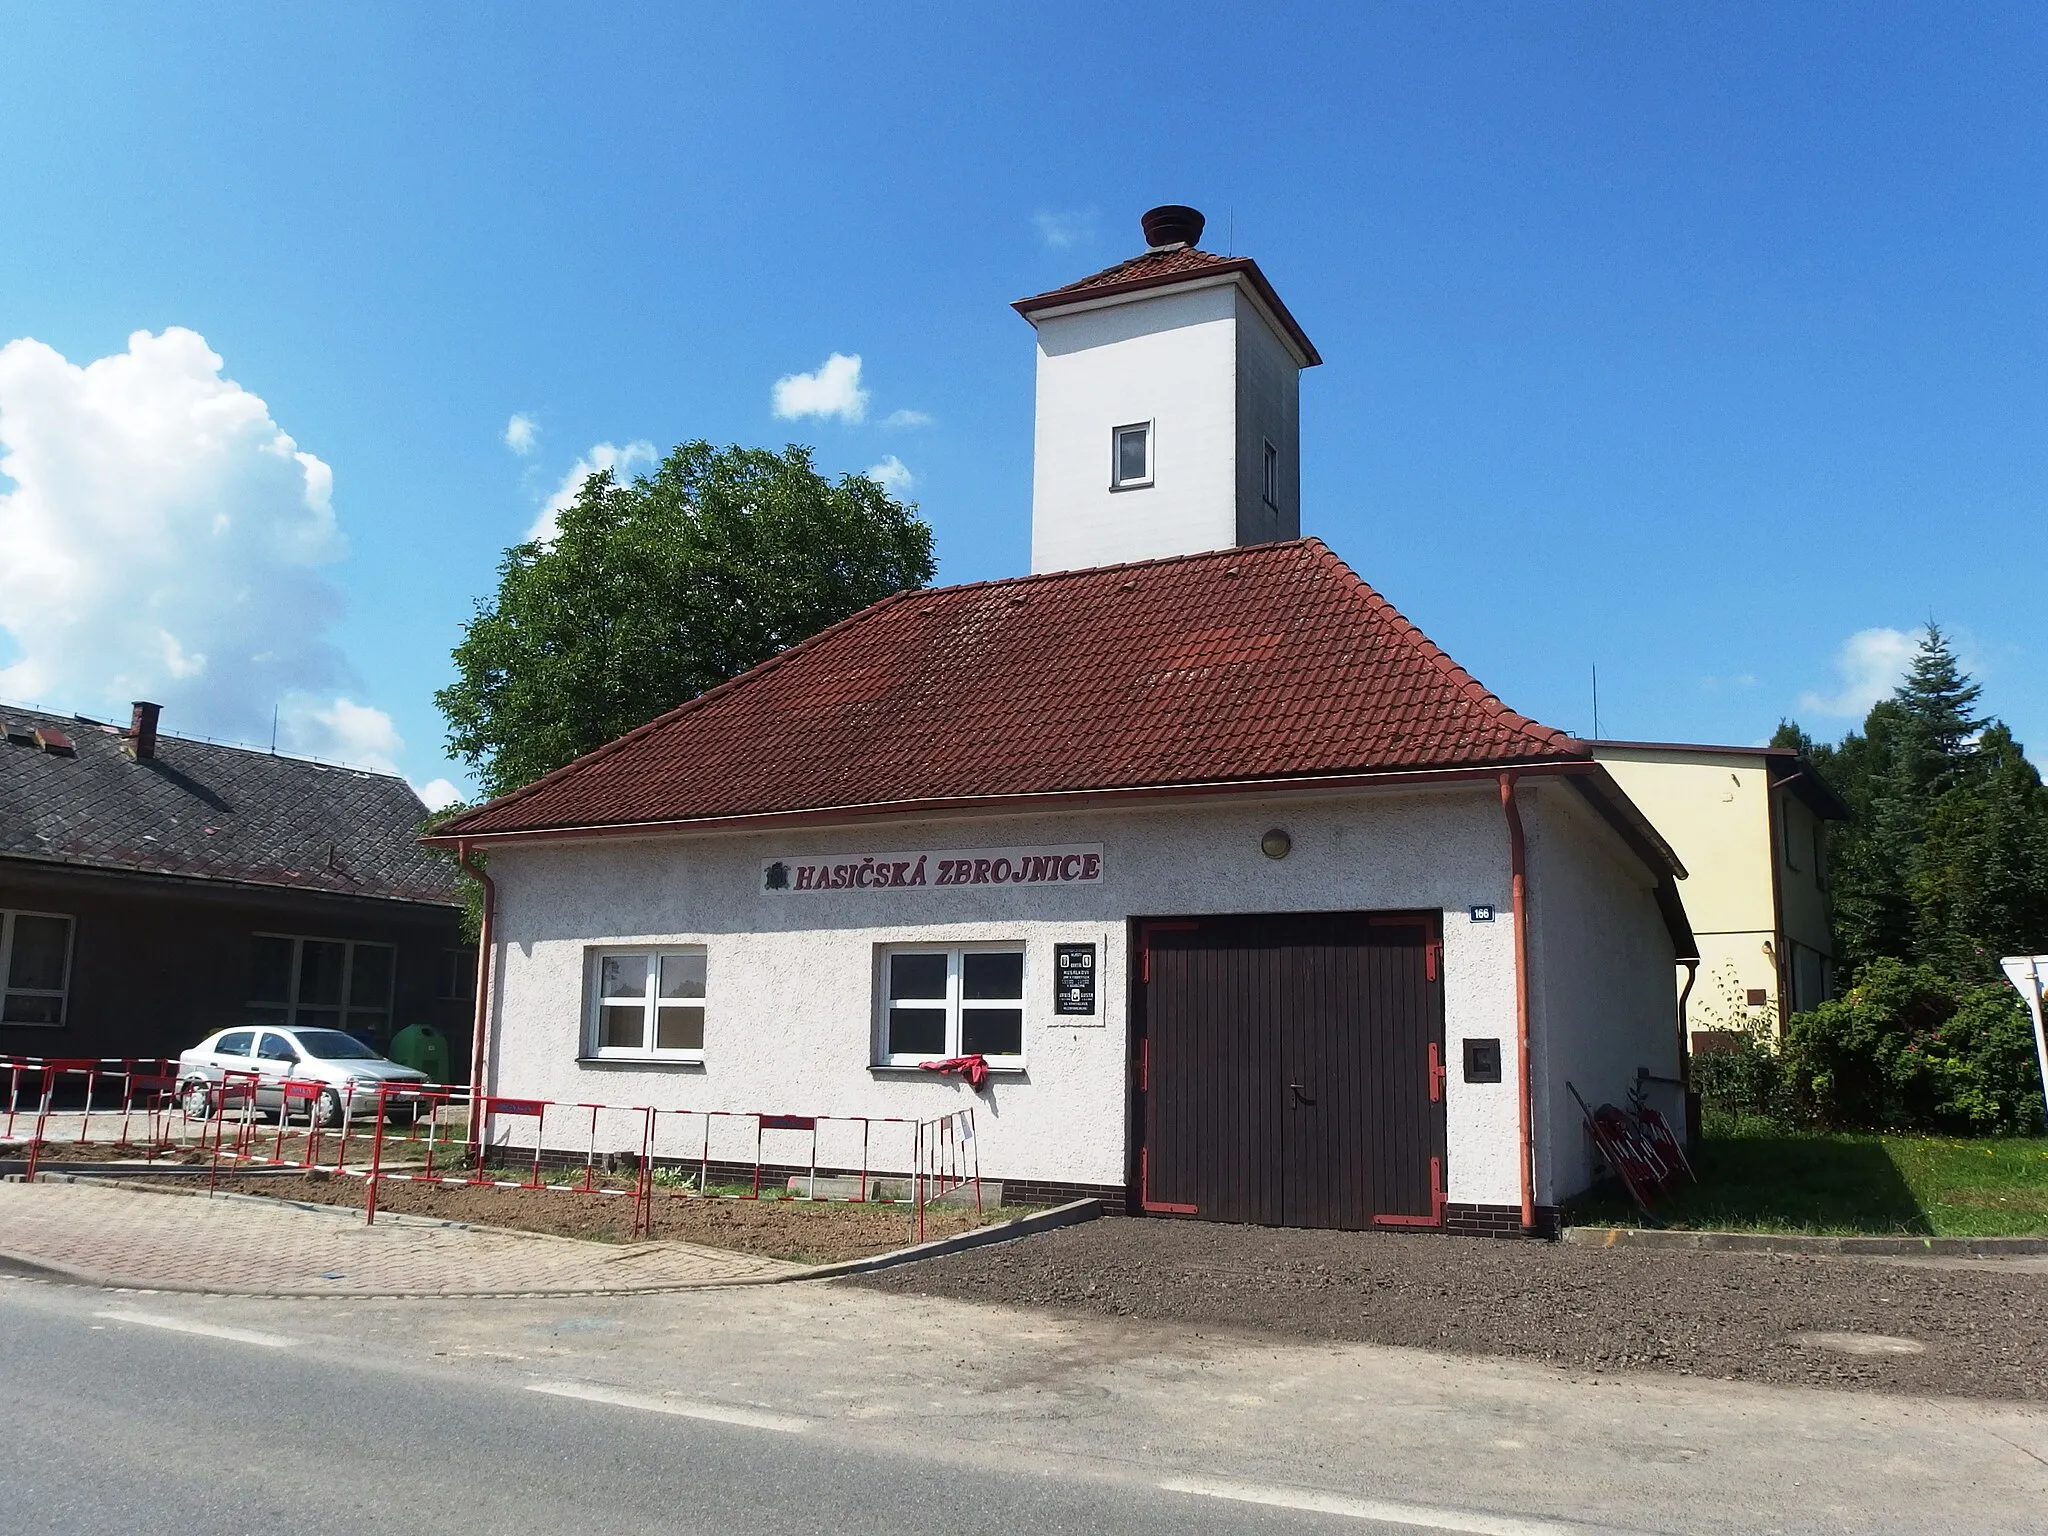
{"type": "Point", "coordinates": [1755, 1177]}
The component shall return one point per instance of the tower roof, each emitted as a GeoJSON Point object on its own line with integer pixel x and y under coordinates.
{"type": "Point", "coordinates": [1170, 266]}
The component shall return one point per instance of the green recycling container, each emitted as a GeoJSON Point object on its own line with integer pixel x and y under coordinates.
{"type": "Point", "coordinates": [423, 1048]}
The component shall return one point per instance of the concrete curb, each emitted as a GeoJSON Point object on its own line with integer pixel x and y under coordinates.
{"type": "Point", "coordinates": [978, 1237]}
{"type": "Point", "coordinates": [1001, 1232]}
{"type": "Point", "coordinates": [17, 1168]}
{"type": "Point", "coordinates": [1669, 1240]}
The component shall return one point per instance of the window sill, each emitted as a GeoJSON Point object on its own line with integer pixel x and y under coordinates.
{"type": "Point", "coordinates": [641, 1061]}
{"type": "Point", "coordinates": [888, 1069]}
{"type": "Point", "coordinates": [1133, 485]}
{"type": "Point", "coordinates": [24, 1024]}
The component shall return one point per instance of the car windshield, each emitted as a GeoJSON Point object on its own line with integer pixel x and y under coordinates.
{"type": "Point", "coordinates": [333, 1045]}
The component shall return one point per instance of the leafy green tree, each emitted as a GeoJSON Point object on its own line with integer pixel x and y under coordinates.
{"type": "Point", "coordinates": [652, 592]}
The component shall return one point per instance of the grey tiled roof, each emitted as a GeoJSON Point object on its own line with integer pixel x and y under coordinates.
{"type": "Point", "coordinates": [214, 812]}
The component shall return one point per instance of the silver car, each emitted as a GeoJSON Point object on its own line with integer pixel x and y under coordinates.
{"type": "Point", "coordinates": [349, 1071]}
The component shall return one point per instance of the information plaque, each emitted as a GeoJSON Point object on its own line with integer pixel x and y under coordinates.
{"type": "Point", "coordinates": [1074, 979]}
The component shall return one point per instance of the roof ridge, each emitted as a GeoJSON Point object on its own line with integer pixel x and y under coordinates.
{"type": "Point", "coordinates": [249, 749]}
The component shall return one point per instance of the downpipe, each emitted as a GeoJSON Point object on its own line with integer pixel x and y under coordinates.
{"type": "Point", "coordinates": [480, 1029]}
{"type": "Point", "coordinates": [1518, 868]}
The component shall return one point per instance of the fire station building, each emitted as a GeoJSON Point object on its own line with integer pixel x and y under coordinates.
{"type": "Point", "coordinates": [1253, 903]}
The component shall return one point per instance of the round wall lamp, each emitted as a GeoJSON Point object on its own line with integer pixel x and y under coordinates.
{"type": "Point", "coordinates": [1276, 843]}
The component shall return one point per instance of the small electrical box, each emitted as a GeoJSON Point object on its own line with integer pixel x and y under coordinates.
{"type": "Point", "coordinates": [1482, 1061]}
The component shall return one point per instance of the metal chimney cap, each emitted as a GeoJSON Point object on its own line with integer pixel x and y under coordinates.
{"type": "Point", "coordinates": [1172, 224]}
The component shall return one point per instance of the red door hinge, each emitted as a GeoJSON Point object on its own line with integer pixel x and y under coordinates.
{"type": "Point", "coordinates": [1432, 953]}
{"type": "Point", "coordinates": [1437, 1074]}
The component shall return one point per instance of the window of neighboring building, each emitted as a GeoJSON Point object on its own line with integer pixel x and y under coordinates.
{"type": "Point", "coordinates": [458, 975]}
{"type": "Point", "coordinates": [952, 1001]}
{"type": "Point", "coordinates": [322, 984]}
{"type": "Point", "coordinates": [1130, 456]}
{"type": "Point", "coordinates": [35, 967]}
{"type": "Point", "coordinates": [647, 1002]}
{"type": "Point", "coordinates": [1272, 476]}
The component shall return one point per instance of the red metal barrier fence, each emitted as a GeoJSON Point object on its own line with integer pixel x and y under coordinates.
{"type": "Point", "coordinates": [127, 1086]}
{"type": "Point", "coordinates": [690, 1154]}
{"type": "Point", "coordinates": [639, 1153]}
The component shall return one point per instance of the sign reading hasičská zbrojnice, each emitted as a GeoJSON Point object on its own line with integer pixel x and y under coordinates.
{"type": "Point", "coordinates": [1072, 864]}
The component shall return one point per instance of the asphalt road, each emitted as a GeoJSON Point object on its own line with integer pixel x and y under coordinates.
{"type": "Point", "coordinates": [115, 1420]}
{"type": "Point", "coordinates": [814, 1407]}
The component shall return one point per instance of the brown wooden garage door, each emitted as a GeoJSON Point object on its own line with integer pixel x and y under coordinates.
{"type": "Point", "coordinates": [1290, 1068]}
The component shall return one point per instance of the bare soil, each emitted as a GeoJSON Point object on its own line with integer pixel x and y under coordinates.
{"type": "Point", "coordinates": [805, 1231]}
{"type": "Point", "coordinates": [1732, 1316]}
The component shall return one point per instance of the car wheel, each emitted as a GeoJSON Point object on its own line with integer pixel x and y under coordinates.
{"type": "Point", "coordinates": [327, 1109]}
{"type": "Point", "coordinates": [198, 1102]}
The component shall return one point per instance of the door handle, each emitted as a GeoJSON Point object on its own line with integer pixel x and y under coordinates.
{"type": "Point", "coordinates": [1299, 1090]}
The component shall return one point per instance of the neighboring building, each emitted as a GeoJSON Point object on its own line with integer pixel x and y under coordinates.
{"type": "Point", "coordinates": [1242, 889]}
{"type": "Point", "coordinates": [153, 889]}
{"type": "Point", "coordinates": [1751, 825]}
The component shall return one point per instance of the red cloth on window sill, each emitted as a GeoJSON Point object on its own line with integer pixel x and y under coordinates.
{"type": "Point", "coordinates": [973, 1068]}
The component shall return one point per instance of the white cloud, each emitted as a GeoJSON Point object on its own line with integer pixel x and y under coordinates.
{"type": "Point", "coordinates": [1869, 664]}
{"type": "Point", "coordinates": [1062, 230]}
{"type": "Point", "coordinates": [522, 433]}
{"type": "Point", "coordinates": [340, 731]}
{"type": "Point", "coordinates": [161, 537]}
{"type": "Point", "coordinates": [907, 418]}
{"type": "Point", "coordinates": [620, 461]}
{"type": "Point", "coordinates": [892, 475]}
{"type": "Point", "coordinates": [437, 794]}
{"type": "Point", "coordinates": [834, 390]}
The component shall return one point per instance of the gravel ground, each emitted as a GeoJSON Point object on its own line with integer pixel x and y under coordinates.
{"type": "Point", "coordinates": [1734, 1316]}
{"type": "Point", "coordinates": [807, 1232]}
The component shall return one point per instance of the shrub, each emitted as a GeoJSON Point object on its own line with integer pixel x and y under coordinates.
{"type": "Point", "coordinates": [1744, 1080]}
{"type": "Point", "coordinates": [1909, 1048]}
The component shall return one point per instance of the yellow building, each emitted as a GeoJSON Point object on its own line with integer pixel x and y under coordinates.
{"type": "Point", "coordinates": [1749, 825]}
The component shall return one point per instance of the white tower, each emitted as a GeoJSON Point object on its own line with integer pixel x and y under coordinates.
{"type": "Point", "coordinates": [1169, 393]}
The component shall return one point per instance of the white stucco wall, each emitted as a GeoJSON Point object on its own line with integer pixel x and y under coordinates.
{"type": "Point", "coordinates": [1268, 411]}
{"type": "Point", "coordinates": [1170, 359]}
{"type": "Point", "coordinates": [1600, 958]}
{"type": "Point", "coordinates": [790, 1011]}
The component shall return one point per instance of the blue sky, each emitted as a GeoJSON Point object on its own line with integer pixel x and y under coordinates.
{"type": "Point", "coordinates": [1704, 343]}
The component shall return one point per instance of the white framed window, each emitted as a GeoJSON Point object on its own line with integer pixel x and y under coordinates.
{"type": "Point", "coordinates": [1272, 476]}
{"type": "Point", "coordinates": [35, 967]}
{"type": "Point", "coordinates": [309, 983]}
{"type": "Point", "coordinates": [951, 1000]}
{"type": "Point", "coordinates": [646, 1003]}
{"type": "Point", "coordinates": [1130, 456]}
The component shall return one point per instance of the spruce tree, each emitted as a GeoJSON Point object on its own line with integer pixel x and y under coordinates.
{"type": "Point", "coordinates": [1945, 859]}
{"type": "Point", "coordinates": [1939, 701]}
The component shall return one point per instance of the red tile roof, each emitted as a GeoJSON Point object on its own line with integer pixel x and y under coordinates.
{"type": "Point", "coordinates": [1272, 662]}
{"type": "Point", "coordinates": [1162, 268]}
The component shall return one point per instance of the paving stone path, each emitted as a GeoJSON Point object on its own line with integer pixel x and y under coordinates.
{"type": "Point", "coordinates": [252, 1247]}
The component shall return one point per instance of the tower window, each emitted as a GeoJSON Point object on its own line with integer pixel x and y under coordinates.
{"type": "Point", "coordinates": [1272, 476]}
{"type": "Point", "coordinates": [1130, 463]}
